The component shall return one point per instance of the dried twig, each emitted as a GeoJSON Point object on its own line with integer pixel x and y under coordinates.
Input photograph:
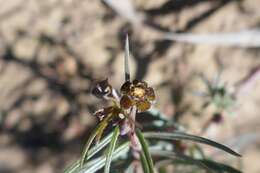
{"type": "Point", "coordinates": [247, 38]}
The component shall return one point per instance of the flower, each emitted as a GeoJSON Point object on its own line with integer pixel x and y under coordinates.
{"type": "Point", "coordinates": [134, 97]}
{"type": "Point", "coordinates": [137, 93]}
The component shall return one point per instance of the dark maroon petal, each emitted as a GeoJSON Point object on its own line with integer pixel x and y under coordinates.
{"type": "Point", "coordinates": [135, 82]}
{"type": "Point", "coordinates": [125, 88]}
{"type": "Point", "coordinates": [126, 102]}
{"type": "Point", "coordinates": [150, 94]}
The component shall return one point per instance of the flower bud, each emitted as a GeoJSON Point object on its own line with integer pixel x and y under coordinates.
{"type": "Point", "coordinates": [102, 89]}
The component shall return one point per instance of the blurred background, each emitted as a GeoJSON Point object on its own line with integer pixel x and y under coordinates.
{"type": "Point", "coordinates": [52, 51]}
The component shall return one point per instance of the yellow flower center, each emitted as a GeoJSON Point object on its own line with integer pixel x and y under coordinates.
{"type": "Point", "coordinates": [138, 92]}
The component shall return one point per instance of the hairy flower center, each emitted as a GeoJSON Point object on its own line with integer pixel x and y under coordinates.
{"type": "Point", "coordinates": [138, 92]}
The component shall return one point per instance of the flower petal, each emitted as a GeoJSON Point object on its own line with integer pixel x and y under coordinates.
{"type": "Point", "coordinates": [125, 88]}
{"type": "Point", "coordinates": [143, 105]}
{"type": "Point", "coordinates": [126, 102]}
{"type": "Point", "coordinates": [135, 82]}
{"type": "Point", "coordinates": [150, 94]}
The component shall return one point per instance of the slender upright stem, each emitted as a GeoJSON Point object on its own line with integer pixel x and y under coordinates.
{"type": "Point", "coordinates": [135, 145]}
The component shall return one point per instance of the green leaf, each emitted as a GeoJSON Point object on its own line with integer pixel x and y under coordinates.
{"type": "Point", "coordinates": [91, 153]}
{"type": "Point", "coordinates": [219, 167]}
{"type": "Point", "coordinates": [174, 156]}
{"type": "Point", "coordinates": [184, 136]}
{"type": "Point", "coordinates": [88, 144]}
{"type": "Point", "coordinates": [100, 132]}
{"type": "Point", "coordinates": [97, 133]}
{"type": "Point", "coordinates": [145, 150]}
{"type": "Point", "coordinates": [73, 167]}
{"type": "Point", "coordinates": [100, 145]}
{"type": "Point", "coordinates": [99, 163]}
{"type": "Point", "coordinates": [111, 149]}
{"type": "Point", "coordinates": [144, 163]}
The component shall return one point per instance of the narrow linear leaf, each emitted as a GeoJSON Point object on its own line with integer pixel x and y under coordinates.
{"type": "Point", "coordinates": [179, 156]}
{"type": "Point", "coordinates": [94, 163]}
{"type": "Point", "coordinates": [145, 150]}
{"type": "Point", "coordinates": [88, 144]}
{"type": "Point", "coordinates": [144, 163]}
{"type": "Point", "coordinates": [100, 132]}
{"type": "Point", "coordinates": [93, 166]}
{"type": "Point", "coordinates": [111, 150]}
{"type": "Point", "coordinates": [184, 136]}
{"type": "Point", "coordinates": [91, 153]}
{"type": "Point", "coordinates": [73, 167]}
{"type": "Point", "coordinates": [102, 126]}
{"type": "Point", "coordinates": [127, 55]}
{"type": "Point", "coordinates": [99, 163]}
{"type": "Point", "coordinates": [97, 133]}
{"type": "Point", "coordinates": [218, 167]}
{"type": "Point", "coordinates": [100, 145]}
{"type": "Point", "coordinates": [222, 168]}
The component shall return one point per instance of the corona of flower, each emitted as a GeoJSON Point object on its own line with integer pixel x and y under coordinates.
{"type": "Point", "coordinates": [137, 93]}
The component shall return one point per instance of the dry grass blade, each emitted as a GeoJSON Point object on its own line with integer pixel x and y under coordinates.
{"type": "Point", "coordinates": [246, 38]}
